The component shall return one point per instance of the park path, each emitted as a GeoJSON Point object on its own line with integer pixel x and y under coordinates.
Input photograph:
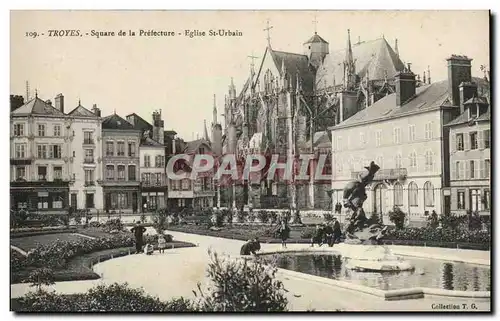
{"type": "Point", "coordinates": [177, 272]}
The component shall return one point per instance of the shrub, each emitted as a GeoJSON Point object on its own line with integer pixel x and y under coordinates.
{"type": "Point", "coordinates": [251, 216]}
{"type": "Point", "coordinates": [433, 220]}
{"type": "Point", "coordinates": [273, 217]}
{"type": "Point", "coordinates": [159, 218]}
{"type": "Point", "coordinates": [453, 222]}
{"type": "Point", "coordinates": [102, 298]}
{"type": "Point", "coordinates": [430, 234]}
{"type": "Point", "coordinates": [143, 218]}
{"type": "Point", "coordinates": [263, 216]}
{"type": "Point", "coordinates": [40, 277]}
{"type": "Point", "coordinates": [227, 215]}
{"type": "Point", "coordinates": [397, 216]}
{"type": "Point", "coordinates": [95, 224]}
{"type": "Point", "coordinates": [328, 217]}
{"type": "Point", "coordinates": [375, 219]}
{"type": "Point", "coordinates": [240, 216]}
{"type": "Point", "coordinates": [307, 233]}
{"type": "Point", "coordinates": [240, 286]}
{"type": "Point", "coordinates": [113, 224]}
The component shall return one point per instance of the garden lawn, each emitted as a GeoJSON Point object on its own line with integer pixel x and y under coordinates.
{"type": "Point", "coordinates": [27, 243]}
{"type": "Point", "coordinates": [80, 267]}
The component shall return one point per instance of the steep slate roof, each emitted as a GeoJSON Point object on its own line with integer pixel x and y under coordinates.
{"type": "Point", "coordinates": [192, 146]}
{"type": "Point", "coordinates": [427, 98]}
{"type": "Point", "coordinates": [81, 112]}
{"type": "Point", "coordinates": [375, 57]}
{"type": "Point", "coordinates": [116, 122]}
{"type": "Point", "coordinates": [140, 123]}
{"type": "Point", "coordinates": [316, 38]}
{"type": "Point", "coordinates": [295, 63]}
{"type": "Point", "coordinates": [36, 106]}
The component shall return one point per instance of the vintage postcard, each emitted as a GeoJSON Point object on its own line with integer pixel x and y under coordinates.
{"type": "Point", "coordinates": [250, 161]}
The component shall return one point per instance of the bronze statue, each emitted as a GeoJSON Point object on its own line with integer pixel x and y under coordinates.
{"type": "Point", "coordinates": [353, 199]}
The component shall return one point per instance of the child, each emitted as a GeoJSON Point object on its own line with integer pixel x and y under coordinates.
{"type": "Point", "coordinates": [162, 244]}
{"type": "Point", "coordinates": [148, 249]}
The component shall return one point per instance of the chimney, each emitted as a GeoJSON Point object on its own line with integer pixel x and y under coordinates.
{"type": "Point", "coordinates": [60, 103]}
{"type": "Point", "coordinates": [459, 71]}
{"type": "Point", "coordinates": [405, 86]}
{"type": "Point", "coordinates": [96, 110]}
{"type": "Point", "coordinates": [158, 127]}
{"type": "Point", "coordinates": [467, 90]}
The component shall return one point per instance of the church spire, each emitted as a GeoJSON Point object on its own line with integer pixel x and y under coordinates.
{"type": "Point", "coordinates": [205, 131]}
{"type": "Point", "coordinates": [268, 29]}
{"type": "Point", "coordinates": [214, 115]}
{"type": "Point", "coordinates": [349, 68]}
{"type": "Point", "coordinates": [396, 47]}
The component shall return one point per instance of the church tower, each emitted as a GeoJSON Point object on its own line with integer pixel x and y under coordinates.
{"type": "Point", "coordinates": [216, 133]}
{"type": "Point", "coordinates": [316, 48]}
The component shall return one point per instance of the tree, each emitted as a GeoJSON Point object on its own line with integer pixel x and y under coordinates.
{"type": "Point", "coordinates": [397, 216]}
{"type": "Point", "coordinates": [159, 218]}
{"type": "Point", "coordinates": [16, 101]}
{"type": "Point", "coordinates": [40, 277]}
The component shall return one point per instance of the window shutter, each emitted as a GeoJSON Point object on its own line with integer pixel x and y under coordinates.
{"type": "Point", "coordinates": [466, 141]}
{"type": "Point", "coordinates": [480, 138]}
{"type": "Point", "coordinates": [453, 147]}
{"type": "Point", "coordinates": [482, 165]}
{"type": "Point", "coordinates": [453, 173]}
{"type": "Point", "coordinates": [476, 169]}
{"type": "Point", "coordinates": [51, 151]}
{"type": "Point", "coordinates": [454, 200]}
{"type": "Point", "coordinates": [462, 169]}
{"type": "Point", "coordinates": [467, 169]}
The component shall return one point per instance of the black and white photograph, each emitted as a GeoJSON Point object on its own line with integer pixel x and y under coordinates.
{"type": "Point", "coordinates": [250, 161]}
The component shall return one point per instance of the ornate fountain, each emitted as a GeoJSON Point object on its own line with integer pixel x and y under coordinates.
{"type": "Point", "coordinates": [366, 253]}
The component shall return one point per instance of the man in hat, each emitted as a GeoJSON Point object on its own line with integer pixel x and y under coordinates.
{"type": "Point", "coordinates": [250, 247]}
{"type": "Point", "coordinates": [138, 231]}
{"type": "Point", "coordinates": [355, 195]}
{"type": "Point", "coordinates": [337, 231]}
{"type": "Point", "coordinates": [329, 234]}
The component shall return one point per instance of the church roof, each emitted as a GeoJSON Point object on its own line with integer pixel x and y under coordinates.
{"type": "Point", "coordinates": [316, 38]}
{"type": "Point", "coordinates": [376, 57]}
{"type": "Point", "coordinates": [192, 146]}
{"type": "Point", "coordinates": [116, 122]}
{"type": "Point", "coordinates": [294, 63]}
{"type": "Point", "coordinates": [427, 98]}
{"type": "Point", "coordinates": [81, 112]}
{"type": "Point", "coordinates": [36, 106]}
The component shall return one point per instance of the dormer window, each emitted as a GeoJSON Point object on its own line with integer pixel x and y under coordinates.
{"type": "Point", "coordinates": [473, 111]}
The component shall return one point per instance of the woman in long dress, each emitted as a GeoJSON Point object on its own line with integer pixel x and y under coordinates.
{"type": "Point", "coordinates": [284, 232]}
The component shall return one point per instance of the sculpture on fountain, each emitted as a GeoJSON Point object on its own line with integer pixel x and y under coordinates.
{"type": "Point", "coordinates": [367, 255]}
{"type": "Point", "coordinates": [353, 199]}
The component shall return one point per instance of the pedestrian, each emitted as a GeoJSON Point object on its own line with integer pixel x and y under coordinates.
{"type": "Point", "coordinates": [138, 231]}
{"type": "Point", "coordinates": [329, 239]}
{"type": "Point", "coordinates": [284, 232]}
{"type": "Point", "coordinates": [250, 247]}
{"type": "Point", "coordinates": [337, 231]}
{"type": "Point", "coordinates": [148, 249]}
{"type": "Point", "coordinates": [162, 244]}
{"type": "Point", "coordinates": [318, 236]}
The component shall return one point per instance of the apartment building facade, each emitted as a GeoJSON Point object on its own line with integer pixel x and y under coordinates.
{"type": "Point", "coordinates": [40, 161]}
{"type": "Point", "coordinates": [120, 159]}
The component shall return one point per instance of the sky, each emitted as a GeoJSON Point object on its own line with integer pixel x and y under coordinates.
{"type": "Point", "coordinates": [179, 75]}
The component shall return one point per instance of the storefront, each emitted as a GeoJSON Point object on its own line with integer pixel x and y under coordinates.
{"type": "Point", "coordinates": [153, 198]}
{"type": "Point", "coordinates": [121, 199]}
{"type": "Point", "coordinates": [42, 197]}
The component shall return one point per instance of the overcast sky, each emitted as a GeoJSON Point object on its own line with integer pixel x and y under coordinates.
{"type": "Point", "coordinates": [180, 75]}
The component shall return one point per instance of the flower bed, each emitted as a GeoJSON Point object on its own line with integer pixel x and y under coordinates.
{"type": "Point", "coordinates": [440, 235]}
{"type": "Point", "coordinates": [113, 298]}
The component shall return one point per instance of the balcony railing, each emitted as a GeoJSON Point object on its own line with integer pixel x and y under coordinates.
{"type": "Point", "coordinates": [89, 183]}
{"type": "Point", "coordinates": [383, 174]}
{"type": "Point", "coordinates": [88, 142]}
{"type": "Point", "coordinates": [89, 160]}
{"type": "Point", "coordinates": [155, 183]}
